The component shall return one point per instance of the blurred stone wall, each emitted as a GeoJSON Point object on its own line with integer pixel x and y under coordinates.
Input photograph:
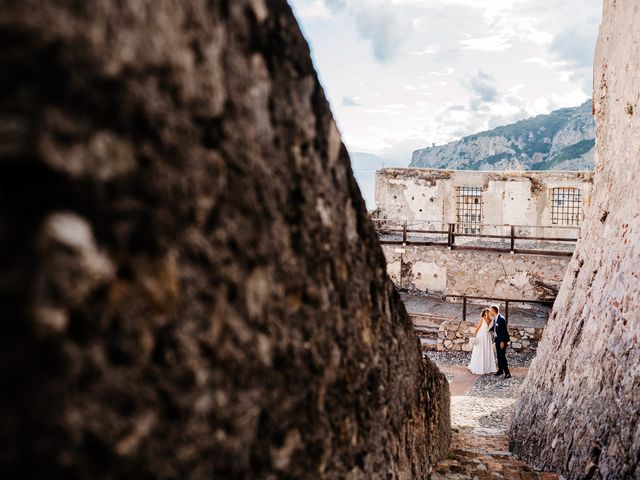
{"type": "Point", "coordinates": [580, 408]}
{"type": "Point", "coordinates": [191, 286]}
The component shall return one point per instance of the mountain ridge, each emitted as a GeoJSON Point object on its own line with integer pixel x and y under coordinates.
{"type": "Point", "coordinates": [561, 140]}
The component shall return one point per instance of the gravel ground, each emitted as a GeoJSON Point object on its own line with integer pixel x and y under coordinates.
{"type": "Point", "coordinates": [482, 415]}
{"type": "Point", "coordinates": [450, 376]}
{"type": "Point", "coordinates": [515, 359]}
{"type": "Point", "coordinates": [487, 409]}
{"type": "Point", "coordinates": [522, 315]}
{"type": "Point", "coordinates": [491, 386]}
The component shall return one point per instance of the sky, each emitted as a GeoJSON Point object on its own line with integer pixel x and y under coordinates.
{"type": "Point", "coordinates": [405, 74]}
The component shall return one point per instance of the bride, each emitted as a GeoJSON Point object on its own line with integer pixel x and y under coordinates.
{"type": "Point", "coordinates": [482, 358]}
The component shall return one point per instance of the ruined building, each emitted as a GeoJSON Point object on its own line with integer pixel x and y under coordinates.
{"type": "Point", "coordinates": [580, 407]}
{"type": "Point", "coordinates": [448, 223]}
{"type": "Point", "coordinates": [191, 286]}
{"type": "Point", "coordinates": [491, 236]}
{"type": "Point", "coordinates": [548, 201]}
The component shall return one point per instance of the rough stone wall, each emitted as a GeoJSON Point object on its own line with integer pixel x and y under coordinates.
{"type": "Point", "coordinates": [191, 287]}
{"type": "Point", "coordinates": [481, 273]}
{"type": "Point", "coordinates": [456, 335]}
{"type": "Point", "coordinates": [580, 408]}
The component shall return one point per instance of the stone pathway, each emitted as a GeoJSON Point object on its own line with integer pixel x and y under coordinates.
{"type": "Point", "coordinates": [516, 359]}
{"type": "Point", "coordinates": [481, 410]}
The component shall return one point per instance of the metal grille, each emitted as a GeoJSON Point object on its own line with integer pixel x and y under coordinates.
{"type": "Point", "coordinates": [469, 209]}
{"type": "Point", "coordinates": [566, 206]}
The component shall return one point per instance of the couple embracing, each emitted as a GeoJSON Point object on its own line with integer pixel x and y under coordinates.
{"type": "Point", "coordinates": [491, 328]}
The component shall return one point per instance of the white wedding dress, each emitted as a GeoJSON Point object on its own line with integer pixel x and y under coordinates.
{"type": "Point", "coordinates": [482, 358]}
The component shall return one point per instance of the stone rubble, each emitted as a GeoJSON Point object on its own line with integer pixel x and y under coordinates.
{"type": "Point", "coordinates": [457, 336]}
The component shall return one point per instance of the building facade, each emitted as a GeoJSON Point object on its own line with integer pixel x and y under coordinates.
{"type": "Point", "coordinates": [541, 203]}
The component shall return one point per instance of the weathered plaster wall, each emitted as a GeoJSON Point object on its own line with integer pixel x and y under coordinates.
{"type": "Point", "coordinates": [190, 283]}
{"type": "Point", "coordinates": [580, 407]}
{"type": "Point", "coordinates": [508, 198]}
{"type": "Point", "coordinates": [468, 272]}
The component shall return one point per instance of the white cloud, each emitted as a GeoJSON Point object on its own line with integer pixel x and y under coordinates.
{"type": "Point", "coordinates": [430, 50]}
{"type": "Point", "coordinates": [312, 9]}
{"type": "Point", "coordinates": [391, 109]}
{"type": "Point", "coordinates": [447, 71]}
{"type": "Point", "coordinates": [351, 101]}
{"type": "Point", "coordinates": [424, 71]}
{"type": "Point", "coordinates": [383, 27]}
{"type": "Point", "coordinates": [369, 144]}
{"type": "Point", "coordinates": [575, 46]}
{"type": "Point", "coordinates": [377, 21]}
{"type": "Point", "coordinates": [336, 6]}
{"type": "Point", "coordinates": [482, 86]}
{"type": "Point", "coordinates": [493, 43]}
{"type": "Point", "coordinates": [545, 62]}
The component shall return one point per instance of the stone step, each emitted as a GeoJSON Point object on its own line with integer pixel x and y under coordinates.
{"type": "Point", "coordinates": [480, 444]}
{"type": "Point", "coordinates": [425, 320]}
{"type": "Point", "coordinates": [428, 331]}
{"type": "Point", "coordinates": [428, 336]}
{"type": "Point", "coordinates": [429, 343]}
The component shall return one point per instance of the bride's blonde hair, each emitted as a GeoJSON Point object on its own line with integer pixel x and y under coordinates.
{"type": "Point", "coordinates": [484, 312]}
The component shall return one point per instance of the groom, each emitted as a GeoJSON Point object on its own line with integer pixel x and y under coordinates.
{"type": "Point", "coordinates": [501, 334]}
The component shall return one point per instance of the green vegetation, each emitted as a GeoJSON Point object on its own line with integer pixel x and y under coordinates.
{"type": "Point", "coordinates": [491, 160]}
{"type": "Point", "coordinates": [536, 133]}
{"type": "Point", "coordinates": [568, 153]}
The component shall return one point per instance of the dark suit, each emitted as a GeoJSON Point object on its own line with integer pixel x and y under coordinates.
{"type": "Point", "coordinates": [501, 334]}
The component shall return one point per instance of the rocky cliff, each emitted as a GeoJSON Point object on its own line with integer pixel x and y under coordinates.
{"type": "Point", "coordinates": [580, 408]}
{"type": "Point", "coordinates": [191, 286]}
{"type": "Point", "coordinates": [561, 140]}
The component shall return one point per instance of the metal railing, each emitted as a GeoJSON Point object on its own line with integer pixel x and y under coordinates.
{"type": "Point", "coordinates": [506, 302]}
{"type": "Point", "coordinates": [442, 234]}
